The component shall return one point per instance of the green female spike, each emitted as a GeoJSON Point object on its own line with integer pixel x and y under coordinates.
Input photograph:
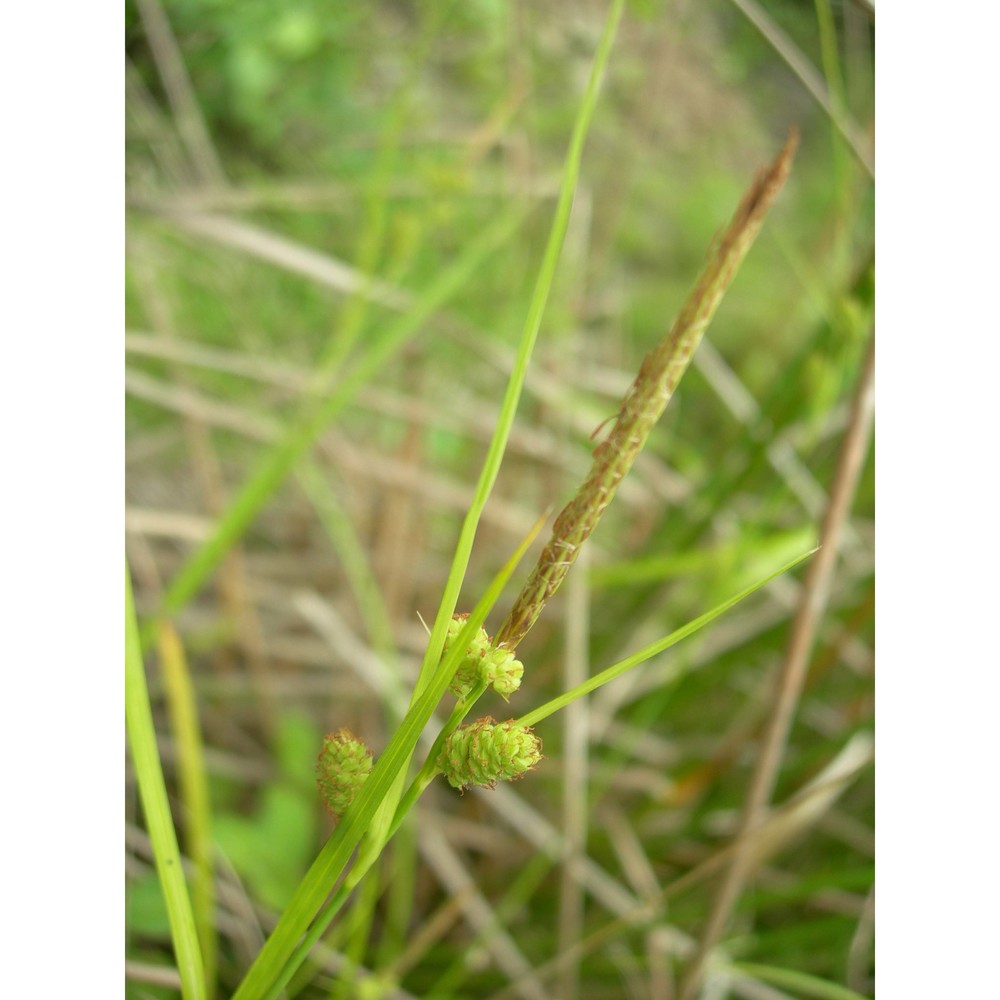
{"type": "Point", "coordinates": [343, 767]}
{"type": "Point", "coordinates": [486, 752]}
{"type": "Point", "coordinates": [468, 670]}
{"type": "Point", "coordinates": [501, 671]}
{"type": "Point", "coordinates": [493, 665]}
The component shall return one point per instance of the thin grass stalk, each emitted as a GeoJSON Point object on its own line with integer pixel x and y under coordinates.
{"type": "Point", "coordinates": [432, 929]}
{"type": "Point", "coordinates": [181, 96]}
{"type": "Point", "coordinates": [354, 561]}
{"type": "Point", "coordinates": [831, 57]}
{"type": "Point", "coordinates": [156, 807]}
{"type": "Point", "coordinates": [860, 952]}
{"type": "Point", "coordinates": [371, 244]}
{"type": "Point", "coordinates": [840, 150]}
{"type": "Point", "coordinates": [192, 780]}
{"type": "Point", "coordinates": [575, 778]}
{"type": "Point", "coordinates": [645, 401]}
{"type": "Point", "coordinates": [790, 679]}
{"type": "Point", "coordinates": [805, 985]}
{"type": "Point", "coordinates": [359, 921]}
{"type": "Point", "coordinates": [401, 903]}
{"type": "Point", "coordinates": [801, 66]}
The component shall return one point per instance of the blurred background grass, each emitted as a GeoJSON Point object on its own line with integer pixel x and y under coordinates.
{"type": "Point", "coordinates": [298, 174]}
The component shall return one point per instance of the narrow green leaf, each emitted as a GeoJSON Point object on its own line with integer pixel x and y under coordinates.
{"type": "Point", "coordinates": [748, 555]}
{"type": "Point", "coordinates": [802, 982]}
{"type": "Point", "coordinates": [153, 794]}
{"type": "Point", "coordinates": [193, 783]}
{"type": "Point", "coordinates": [615, 671]}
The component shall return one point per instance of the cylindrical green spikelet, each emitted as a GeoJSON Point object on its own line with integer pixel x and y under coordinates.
{"type": "Point", "coordinates": [343, 767]}
{"type": "Point", "coordinates": [487, 752]}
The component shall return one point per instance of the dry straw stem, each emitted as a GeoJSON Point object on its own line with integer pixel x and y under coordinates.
{"type": "Point", "coordinates": [646, 400]}
{"type": "Point", "coordinates": [183, 102]}
{"type": "Point", "coordinates": [789, 680]}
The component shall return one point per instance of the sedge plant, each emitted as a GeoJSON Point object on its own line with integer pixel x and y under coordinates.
{"type": "Point", "coordinates": [485, 751]}
{"type": "Point", "coordinates": [369, 792]}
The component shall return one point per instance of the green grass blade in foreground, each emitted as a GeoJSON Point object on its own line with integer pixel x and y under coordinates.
{"type": "Point", "coordinates": [532, 322]}
{"type": "Point", "coordinates": [159, 823]}
{"type": "Point", "coordinates": [278, 462]}
{"type": "Point", "coordinates": [192, 779]}
{"type": "Point", "coordinates": [803, 984]}
{"type": "Point", "coordinates": [615, 671]}
{"type": "Point", "coordinates": [364, 862]}
{"type": "Point", "coordinates": [270, 964]}
{"type": "Point", "coordinates": [429, 770]}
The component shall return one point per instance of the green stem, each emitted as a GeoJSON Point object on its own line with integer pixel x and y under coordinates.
{"type": "Point", "coordinates": [532, 322]}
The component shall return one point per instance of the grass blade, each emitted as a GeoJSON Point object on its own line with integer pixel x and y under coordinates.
{"type": "Point", "coordinates": [153, 794]}
{"type": "Point", "coordinates": [616, 670]}
{"type": "Point", "coordinates": [193, 784]}
{"type": "Point", "coordinates": [803, 984]}
{"type": "Point", "coordinates": [800, 65]}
